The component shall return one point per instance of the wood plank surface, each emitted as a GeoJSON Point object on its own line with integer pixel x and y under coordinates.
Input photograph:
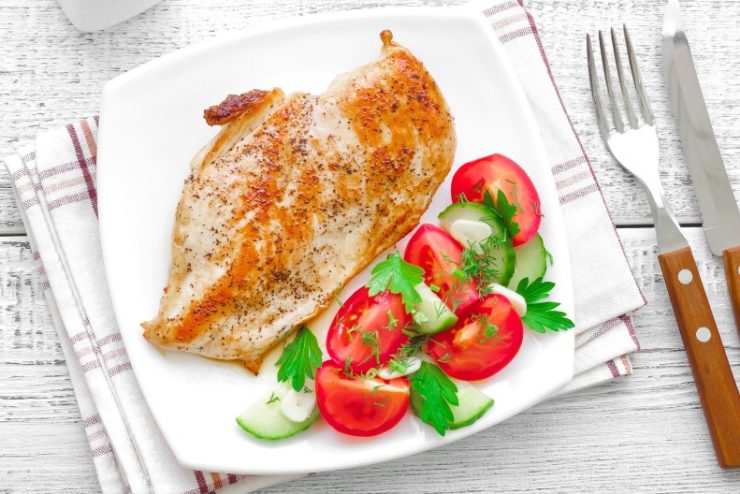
{"type": "Point", "coordinates": [645, 433]}
{"type": "Point", "coordinates": [50, 73]}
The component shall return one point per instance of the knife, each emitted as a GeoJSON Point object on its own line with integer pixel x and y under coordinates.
{"type": "Point", "coordinates": [716, 200]}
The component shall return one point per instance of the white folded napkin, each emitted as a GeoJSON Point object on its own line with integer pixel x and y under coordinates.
{"type": "Point", "coordinates": [54, 181]}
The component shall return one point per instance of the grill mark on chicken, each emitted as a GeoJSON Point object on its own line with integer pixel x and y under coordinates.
{"type": "Point", "coordinates": [286, 208]}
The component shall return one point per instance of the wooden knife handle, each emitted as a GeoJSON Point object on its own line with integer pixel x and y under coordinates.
{"type": "Point", "coordinates": [712, 372]}
{"type": "Point", "coordinates": [732, 274]}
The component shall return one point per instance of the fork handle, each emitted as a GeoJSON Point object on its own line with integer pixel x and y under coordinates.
{"type": "Point", "coordinates": [732, 275]}
{"type": "Point", "coordinates": [712, 373]}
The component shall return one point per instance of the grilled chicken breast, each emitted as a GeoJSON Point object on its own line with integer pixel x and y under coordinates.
{"type": "Point", "coordinates": [293, 197]}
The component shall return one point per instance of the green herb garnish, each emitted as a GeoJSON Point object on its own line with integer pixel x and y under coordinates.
{"type": "Point", "coordinates": [399, 277]}
{"type": "Point", "coordinates": [435, 393]}
{"type": "Point", "coordinates": [505, 209]}
{"type": "Point", "coordinates": [490, 330]}
{"type": "Point", "coordinates": [371, 340]}
{"type": "Point", "coordinates": [542, 316]}
{"type": "Point", "coordinates": [392, 321]}
{"type": "Point", "coordinates": [439, 308]}
{"type": "Point", "coordinates": [419, 317]}
{"type": "Point", "coordinates": [348, 367]}
{"type": "Point", "coordinates": [480, 261]}
{"type": "Point", "coordinates": [300, 359]}
{"type": "Point", "coordinates": [401, 360]}
{"type": "Point", "coordinates": [409, 330]}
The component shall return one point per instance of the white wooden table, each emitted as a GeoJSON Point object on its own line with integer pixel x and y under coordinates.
{"type": "Point", "coordinates": [644, 433]}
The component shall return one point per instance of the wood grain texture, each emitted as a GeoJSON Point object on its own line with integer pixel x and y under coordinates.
{"type": "Point", "coordinates": [731, 259]}
{"type": "Point", "coordinates": [50, 73]}
{"type": "Point", "coordinates": [642, 434]}
{"type": "Point", "coordinates": [713, 29]}
{"type": "Point", "coordinates": [712, 373]}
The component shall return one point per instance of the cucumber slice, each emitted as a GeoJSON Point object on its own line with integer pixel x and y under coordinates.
{"type": "Point", "coordinates": [472, 211]}
{"type": "Point", "coordinates": [471, 222]}
{"type": "Point", "coordinates": [531, 261]}
{"type": "Point", "coordinates": [474, 403]}
{"type": "Point", "coordinates": [264, 419]}
{"type": "Point", "coordinates": [409, 366]}
{"type": "Point", "coordinates": [436, 315]}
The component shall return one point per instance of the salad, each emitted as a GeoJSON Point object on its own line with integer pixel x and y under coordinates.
{"type": "Point", "coordinates": [452, 310]}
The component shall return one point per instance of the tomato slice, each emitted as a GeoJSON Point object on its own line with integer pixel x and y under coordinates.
{"type": "Point", "coordinates": [439, 255]}
{"type": "Point", "coordinates": [484, 340]}
{"type": "Point", "coordinates": [360, 407]}
{"type": "Point", "coordinates": [363, 332]}
{"type": "Point", "coordinates": [494, 173]}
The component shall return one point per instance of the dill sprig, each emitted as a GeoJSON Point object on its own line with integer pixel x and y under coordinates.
{"type": "Point", "coordinates": [371, 339]}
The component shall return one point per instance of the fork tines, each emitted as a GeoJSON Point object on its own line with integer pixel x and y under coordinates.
{"type": "Point", "coordinates": [632, 121]}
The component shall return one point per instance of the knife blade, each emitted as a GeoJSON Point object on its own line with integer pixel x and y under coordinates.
{"type": "Point", "coordinates": [714, 193]}
{"type": "Point", "coordinates": [719, 210]}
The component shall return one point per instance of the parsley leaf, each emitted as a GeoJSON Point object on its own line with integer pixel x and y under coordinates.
{"type": "Point", "coordinates": [488, 200]}
{"type": "Point", "coordinates": [507, 212]}
{"type": "Point", "coordinates": [542, 316]}
{"type": "Point", "coordinates": [300, 359]}
{"type": "Point", "coordinates": [538, 289]}
{"type": "Point", "coordinates": [433, 392]}
{"type": "Point", "coordinates": [398, 276]}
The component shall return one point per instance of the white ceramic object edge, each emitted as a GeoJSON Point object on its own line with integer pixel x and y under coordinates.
{"type": "Point", "coordinates": [94, 15]}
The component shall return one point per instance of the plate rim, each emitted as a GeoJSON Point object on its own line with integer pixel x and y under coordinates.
{"type": "Point", "coordinates": [461, 12]}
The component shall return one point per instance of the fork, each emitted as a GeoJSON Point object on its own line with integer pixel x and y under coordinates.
{"type": "Point", "coordinates": [634, 144]}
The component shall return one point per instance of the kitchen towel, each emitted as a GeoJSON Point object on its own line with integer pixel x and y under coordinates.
{"type": "Point", "coordinates": [54, 182]}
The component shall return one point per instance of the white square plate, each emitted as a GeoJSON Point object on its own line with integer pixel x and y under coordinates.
{"type": "Point", "coordinates": [151, 125]}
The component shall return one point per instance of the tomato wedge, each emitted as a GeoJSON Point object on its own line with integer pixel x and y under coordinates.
{"type": "Point", "coordinates": [439, 255]}
{"type": "Point", "coordinates": [484, 340]}
{"type": "Point", "coordinates": [360, 407]}
{"type": "Point", "coordinates": [363, 332]}
{"type": "Point", "coordinates": [494, 173]}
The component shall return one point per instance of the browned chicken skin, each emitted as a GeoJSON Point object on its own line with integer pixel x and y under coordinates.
{"type": "Point", "coordinates": [294, 197]}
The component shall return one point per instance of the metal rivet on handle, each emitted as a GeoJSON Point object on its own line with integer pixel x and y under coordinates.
{"type": "Point", "coordinates": [685, 276]}
{"type": "Point", "coordinates": [703, 334]}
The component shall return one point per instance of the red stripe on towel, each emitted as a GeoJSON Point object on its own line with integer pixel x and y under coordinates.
{"type": "Point", "coordinates": [519, 33]}
{"type": "Point", "coordinates": [499, 8]}
{"type": "Point", "coordinates": [201, 480]}
{"type": "Point", "coordinates": [613, 368]}
{"type": "Point", "coordinates": [82, 162]}
{"type": "Point", "coordinates": [577, 194]}
{"type": "Point", "coordinates": [87, 132]}
{"type": "Point", "coordinates": [573, 128]}
{"type": "Point", "coordinates": [631, 329]}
